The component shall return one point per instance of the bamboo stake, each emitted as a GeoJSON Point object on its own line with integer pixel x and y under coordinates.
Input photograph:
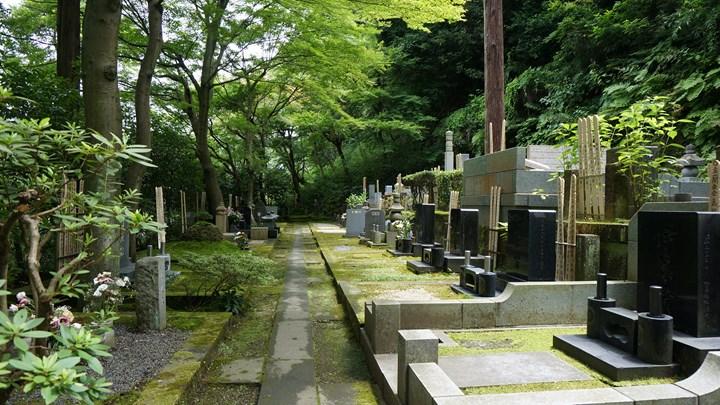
{"type": "Point", "coordinates": [493, 223]}
{"type": "Point", "coordinates": [560, 235]}
{"type": "Point", "coordinates": [571, 241]}
{"type": "Point", "coordinates": [160, 213]}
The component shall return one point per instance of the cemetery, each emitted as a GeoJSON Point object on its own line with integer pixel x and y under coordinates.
{"type": "Point", "coordinates": [397, 202]}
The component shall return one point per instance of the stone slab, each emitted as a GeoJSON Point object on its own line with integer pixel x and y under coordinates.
{"type": "Point", "coordinates": [705, 382]}
{"type": "Point", "coordinates": [331, 394]}
{"type": "Point", "coordinates": [420, 267]}
{"type": "Point", "coordinates": [610, 361]}
{"type": "Point", "coordinates": [431, 315]}
{"type": "Point", "coordinates": [259, 233]}
{"type": "Point", "coordinates": [478, 313]}
{"type": "Point", "coordinates": [397, 253]}
{"type": "Point", "coordinates": [665, 394]}
{"type": "Point", "coordinates": [690, 351]}
{"type": "Point", "coordinates": [241, 371]}
{"type": "Point", "coordinates": [597, 396]}
{"type": "Point", "coordinates": [508, 369]}
{"type": "Point", "coordinates": [288, 382]}
{"type": "Point", "coordinates": [427, 381]}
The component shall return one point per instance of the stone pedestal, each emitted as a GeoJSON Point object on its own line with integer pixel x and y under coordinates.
{"type": "Point", "coordinates": [414, 346]}
{"type": "Point", "coordinates": [150, 306]}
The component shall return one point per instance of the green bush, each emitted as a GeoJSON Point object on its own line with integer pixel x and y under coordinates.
{"type": "Point", "coordinates": [429, 181]}
{"type": "Point", "coordinates": [203, 231]}
{"type": "Point", "coordinates": [222, 277]}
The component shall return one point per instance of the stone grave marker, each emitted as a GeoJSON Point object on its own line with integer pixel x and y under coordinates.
{"type": "Point", "coordinates": [531, 245]}
{"type": "Point", "coordinates": [425, 220]}
{"type": "Point", "coordinates": [354, 222]}
{"type": "Point", "coordinates": [680, 252]}
{"type": "Point", "coordinates": [374, 217]}
{"type": "Point", "coordinates": [150, 306]}
{"type": "Point", "coordinates": [464, 231]}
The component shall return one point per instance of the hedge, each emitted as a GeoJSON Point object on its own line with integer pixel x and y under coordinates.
{"type": "Point", "coordinates": [431, 181]}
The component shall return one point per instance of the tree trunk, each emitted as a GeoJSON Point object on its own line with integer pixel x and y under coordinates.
{"type": "Point", "coordinates": [68, 40]}
{"type": "Point", "coordinates": [133, 179]}
{"type": "Point", "coordinates": [102, 100]}
{"type": "Point", "coordinates": [494, 76]}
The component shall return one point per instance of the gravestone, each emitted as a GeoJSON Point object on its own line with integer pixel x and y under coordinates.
{"type": "Point", "coordinates": [531, 245]}
{"type": "Point", "coordinates": [150, 306]}
{"type": "Point", "coordinates": [354, 222]}
{"type": "Point", "coordinates": [127, 268]}
{"type": "Point", "coordinates": [680, 252]}
{"type": "Point", "coordinates": [464, 231]}
{"type": "Point", "coordinates": [425, 222]}
{"type": "Point", "coordinates": [374, 217]}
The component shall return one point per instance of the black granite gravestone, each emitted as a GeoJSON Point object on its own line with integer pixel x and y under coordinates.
{"type": "Point", "coordinates": [680, 251]}
{"type": "Point", "coordinates": [425, 224]}
{"type": "Point", "coordinates": [464, 231]}
{"type": "Point", "coordinates": [531, 245]}
{"type": "Point", "coordinates": [374, 217]}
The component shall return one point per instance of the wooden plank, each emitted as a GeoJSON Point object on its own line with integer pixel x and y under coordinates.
{"type": "Point", "coordinates": [560, 236]}
{"type": "Point", "coordinates": [714, 178]}
{"type": "Point", "coordinates": [598, 170]}
{"type": "Point", "coordinates": [571, 238]}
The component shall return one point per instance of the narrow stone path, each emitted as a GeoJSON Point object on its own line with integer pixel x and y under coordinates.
{"type": "Point", "coordinates": [289, 376]}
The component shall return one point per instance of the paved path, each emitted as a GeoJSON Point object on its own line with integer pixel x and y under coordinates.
{"type": "Point", "coordinates": [289, 376]}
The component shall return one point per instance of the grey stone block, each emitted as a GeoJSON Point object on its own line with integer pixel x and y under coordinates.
{"type": "Point", "coordinates": [150, 307]}
{"type": "Point", "coordinates": [528, 181]}
{"type": "Point", "coordinates": [414, 346]}
{"type": "Point", "coordinates": [662, 394]}
{"type": "Point", "coordinates": [386, 323]}
{"type": "Point", "coordinates": [705, 382]}
{"type": "Point", "coordinates": [587, 263]}
{"type": "Point", "coordinates": [478, 313]}
{"type": "Point", "coordinates": [476, 165]}
{"type": "Point", "coordinates": [431, 314]}
{"type": "Point", "coordinates": [509, 159]}
{"type": "Point", "coordinates": [427, 381]}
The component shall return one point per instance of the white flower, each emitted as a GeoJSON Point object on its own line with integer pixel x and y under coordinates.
{"type": "Point", "coordinates": [77, 326]}
{"type": "Point", "coordinates": [21, 295]}
{"type": "Point", "coordinates": [13, 308]}
{"type": "Point", "coordinates": [98, 292]}
{"type": "Point", "coordinates": [120, 283]}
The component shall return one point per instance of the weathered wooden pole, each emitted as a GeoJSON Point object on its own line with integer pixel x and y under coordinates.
{"type": "Point", "coordinates": [494, 76]}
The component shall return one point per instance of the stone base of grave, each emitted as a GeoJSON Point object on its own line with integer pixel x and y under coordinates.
{"type": "Point", "coordinates": [453, 262]}
{"type": "Point", "coordinates": [417, 248]}
{"type": "Point", "coordinates": [610, 361]}
{"type": "Point", "coordinates": [420, 267]}
{"type": "Point", "coordinates": [691, 351]}
{"type": "Point", "coordinates": [259, 233]}
{"type": "Point", "coordinates": [468, 291]}
{"type": "Point", "coordinates": [376, 245]}
{"type": "Point", "coordinates": [397, 253]}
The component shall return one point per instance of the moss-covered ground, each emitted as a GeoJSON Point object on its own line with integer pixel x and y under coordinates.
{"type": "Point", "coordinates": [531, 340]}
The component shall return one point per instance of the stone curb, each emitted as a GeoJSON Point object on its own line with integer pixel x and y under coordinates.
{"type": "Point", "coordinates": [176, 379]}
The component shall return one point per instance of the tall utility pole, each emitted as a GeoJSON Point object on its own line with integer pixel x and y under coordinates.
{"type": "Point", "coordinates": [494, 76]}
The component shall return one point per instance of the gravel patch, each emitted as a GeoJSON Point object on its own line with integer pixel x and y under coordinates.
{"type": "Point", "coordinates": [136, 359]}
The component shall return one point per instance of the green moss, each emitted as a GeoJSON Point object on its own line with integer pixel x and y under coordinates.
{"type": "Point", "coordinates": [366, 393]}
{"type": "Point", "coordinates": [341, 359]}
{"type": "Point", "coordinates": [202, 248]}
{"type": "Point", "coordinates": [551, 386]}
{"type": "Point", "coordinates": [505, 340]}
{"type": "Point", "coordinates": [169, 386]}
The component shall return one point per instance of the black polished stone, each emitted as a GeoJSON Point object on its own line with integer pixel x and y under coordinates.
{"type": "Point", "coordinates": [680, 251]}
{"type": "Point", "coordinates": [531, 245]}
{"type": "Point", "coordinates": [464, 231]}
{"type": "Point", "coordinates": [425, 223]}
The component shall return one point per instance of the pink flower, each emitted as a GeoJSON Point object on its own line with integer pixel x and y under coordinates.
{"type": "Point", "coordinates": [23, 302]}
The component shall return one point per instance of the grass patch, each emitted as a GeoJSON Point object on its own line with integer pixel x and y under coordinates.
{"type": "Point", "coordinates": [338, 357]}
{"type": "Point", "coordinates": [532, 340]}
{"type": "Point", "coordinates": [177, 249]}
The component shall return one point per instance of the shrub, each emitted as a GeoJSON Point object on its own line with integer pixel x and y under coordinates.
{"type": "Point", "coordinates": [203, 231]}
{"type": "Point", "coordinates": [222, 277]}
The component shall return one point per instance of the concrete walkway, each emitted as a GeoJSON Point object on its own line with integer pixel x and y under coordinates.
{"type": "Point", "coordinates": [289, 376]}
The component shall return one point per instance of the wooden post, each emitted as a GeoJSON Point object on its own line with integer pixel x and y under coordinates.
{"type": "Point", "coordinates": [160, 214]}
{"type": "Point", "coordinates": [493, 224]}
{"type": "Point", "coordinates": [182, 211]}
{"type": "Point", "coordinates": [560, 233]}
{"type": "Point", "coordinates": [364, 185]}
{"type": "Point", "coordinates": [454, 203]}
{"type": "Point", "coordinates": [494, 74]}
{"type": "Point", "coordinates": [571, 238]}
{"type": "Point", "coordinates": [714, 178]}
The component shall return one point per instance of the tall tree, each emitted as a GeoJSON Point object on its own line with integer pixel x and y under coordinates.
{"type": "Point", "coordinates": [494, 76]}
{"type": "Point", "coordinates": [101, 100]}
{"type": "Point", "coordinates": [68, 40]}
{"type": "Point", "coordinates": [143, 132]}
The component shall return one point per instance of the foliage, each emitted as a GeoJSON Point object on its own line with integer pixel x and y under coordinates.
{"type": "Point", "coordinates": [241, 240]}
{"type": "Point", "coordinates": [404, 228]}
{"type": "Point", "coordinates": [203, 231]}
{"type": "Point", "coordinates": [104, 296]}
{"type": "Point", "coordinates": [430, 181]}
{"type": "Point", "coordinates": [353, 200]}
{"type": "Point", "coordinates": [643, 136]}
{"type": "Point", "coordinates": [224, 276]}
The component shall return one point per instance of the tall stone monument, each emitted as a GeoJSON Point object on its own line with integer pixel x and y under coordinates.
{"type": "Point", "coordinates": [449, 155]}
{"type": "Point", "coordinates": [150, 306]}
